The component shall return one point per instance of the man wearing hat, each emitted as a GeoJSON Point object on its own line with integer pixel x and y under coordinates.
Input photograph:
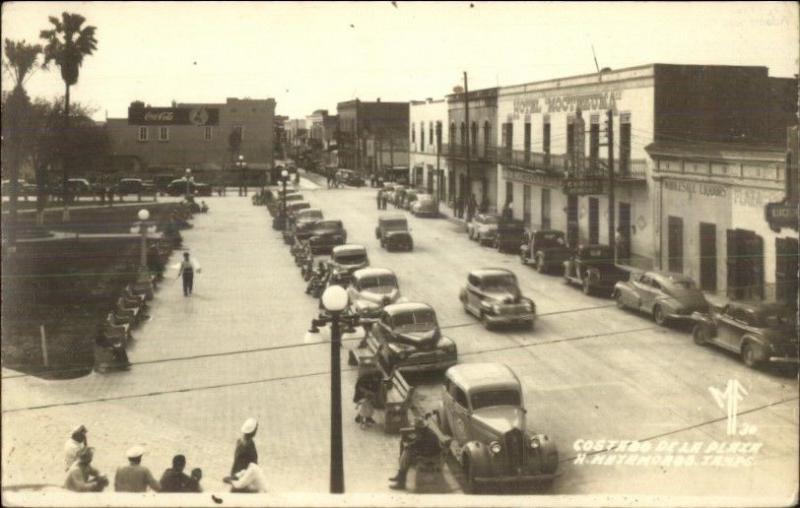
{"type": "Point", "coordinates": [245, 452]}
{"type": "Point", "coordinates": [422, 442]}
{"type": "Point", "coordinates": [82, 477]}
{"type": "Point", "coordinates": [135, 477]}
{"type": "Point", "coordinates": [74, 445]}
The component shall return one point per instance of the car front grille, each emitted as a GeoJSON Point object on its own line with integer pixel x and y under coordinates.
{"type": "Point", "coordinates": [514, 443]}
{"type": "Point", "coordinates": [512, 309]}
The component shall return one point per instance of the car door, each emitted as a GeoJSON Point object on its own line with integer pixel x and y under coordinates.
{"type": "Point", "coordinates": [459, 424]}
{"type": "Point", "coordinates": [729, 327]}
{"type": "Point", "coordinates": [645, 292]}
{"type": "Point", "coordinates": [474, 293]}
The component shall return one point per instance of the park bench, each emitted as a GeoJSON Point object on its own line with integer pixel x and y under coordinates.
{"type": "Point", "coordinates": [125, 312]}
{"type": "Point", "coordinates": [115, 331]}
{"type": "Point", "coordinates": [397, 401]}
{"type": "Point", "coordinates": [365, 356]}
{"type": "Point", "coordinates": [132, 295]}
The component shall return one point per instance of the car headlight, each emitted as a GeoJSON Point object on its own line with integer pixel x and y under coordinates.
{"type": "Point", "coordinates": [495, 447]}
{"type": "Point", "coordinates": [534, 442]}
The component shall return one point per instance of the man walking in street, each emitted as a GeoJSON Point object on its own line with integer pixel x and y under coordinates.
{"type": "Point", "coordinates": [75, 445]}
{"type": "Point", "coordinates": [82, 477]}
{"type": "Point", "coordinates": [186, 271]}
{"type": "Point", "coordinates": [245, 452]}
{"type": "Point", "coordinates": [175, 480]}
{"type": "Point", "coordinates": [135, 477]}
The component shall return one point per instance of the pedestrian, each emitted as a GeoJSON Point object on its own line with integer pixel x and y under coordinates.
{"type": "Point", "coordinates": [421, 443]}
{"type": "Point", "coordinates": [135, 477]}
{"type": "Point", "coordinates": [384, 199]}
{"type": "Point", "coordinates": [249, 480]}
{"type": "Point", "coordinates": [82, 477]}
{"type": "Point", "coordinates": [74, 445]}
{"type": "Point", "coordinates": [197, 475]}
{"type": "Point", "coordinates": [460, 207]}
{"type": "Point", "coordinates": [379, 198]}
{"type": "Point", "coordinates": [366, 408]}
{"type": "Point", "coordinates": [245, 452]}
{"type": "Point", "coordinates": [187, 269]}
{"type": "Point", "coordinates": [175, 480]}
{"type": "Point", "coordinates": [471, 206]}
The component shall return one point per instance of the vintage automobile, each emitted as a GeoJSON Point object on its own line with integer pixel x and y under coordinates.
{"type": "Point", "coordinates": [493, 296]}
{"type": "Point", "coordinates": [177, 187]}
{"type": "Point", "coordinates": [592, 266]}
{"type": "Point", "coordinates": [325, 235]}
{"type": "Point", "coordinates": [303, 222]}
{"type": "Point", "coordinates": [425, 206]}
{"type": "Point", "coordinates": [293, 207]}
{"type": "Point", "coordinates": [483, 228]}
{"type": "Point", "coordinates": [393, 233]}
{"type": "Point", "coordinates": [759, 332]}
{"type": "Point", "coordinates": [370, 290]}
{"type": "Point", "coordinates": [546, 249]}
{"type": "Point", "coordinates": [409, 339]}
{"type": "Point", "coordinates": [482, 409]}
{"type": "Point", "coordinates": [510, 235]}
{"type": "Point", "coordinates": [129, 186]}
{"type": "Point", "coordinates": [346, 259]}
{"type": "Point", "coordinates": [408, 199]}
{"type": "Point", "coordinates": [666, 296]}
{"type": "Point", "coordinates": [350, 177]}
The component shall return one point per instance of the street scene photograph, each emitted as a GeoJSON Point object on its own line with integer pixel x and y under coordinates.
{"type": "Point", "coordinates": [394, 253]}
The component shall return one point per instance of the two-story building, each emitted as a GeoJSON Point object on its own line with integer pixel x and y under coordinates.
{"type": "Point", "coordinates": [373, 136]}
{"type": "Point", "coordinates": [428, 130]}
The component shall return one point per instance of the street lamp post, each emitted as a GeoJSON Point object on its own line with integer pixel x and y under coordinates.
{"type": "Point", "coordinates": [334, 301]}
{"type": "Point", "coordinates": [242, 165]}
{"type": "Point", "coordinates": [187, 178]}
{"type": "Point", "coordinates": [285, 175]}
{"type": "Point", "coordinates": [143, 283]}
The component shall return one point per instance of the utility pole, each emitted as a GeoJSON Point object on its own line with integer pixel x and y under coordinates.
{"type": "Point", "coordinates": [466, 146]}
{"type": "Point", "coordinates": [611, 208]}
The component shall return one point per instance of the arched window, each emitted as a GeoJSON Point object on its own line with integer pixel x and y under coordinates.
{"type": "Point", "coordinates": [430, 133]}
{"type": "Point", "coordinates": [474, 138]}
{"type": "Point", "coordinates": [463, 134]}
{"type": "Point", "coordinates": [452, 133]}
{"type": "Point", "coordinates": [422, 136]}
{"type": "Point", "coordinates": [487, 134]}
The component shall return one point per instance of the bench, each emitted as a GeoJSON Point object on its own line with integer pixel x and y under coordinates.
{"type": "Point", "coordinates": [365, 356]}
{"type": "Point", "coordinates": [397, 397]}
{"type": "Point", "coordinates": [126, 312]}
{"type": "Point", "coordinates": [115, 331]}
{"type": "Point", "coordinates": [131, 295]}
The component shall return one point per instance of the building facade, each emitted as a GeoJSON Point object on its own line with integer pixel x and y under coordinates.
{"type": "Point", "coordinates": [373, 136]}
{"type": "Point", "coordinates": [473, 171]}
{"type": "Point", "coordinates": [553, 154]}
{"type": "Point", "coordinates": [196, 136]}
{"type": "Point", "coordinates": [428, 131]}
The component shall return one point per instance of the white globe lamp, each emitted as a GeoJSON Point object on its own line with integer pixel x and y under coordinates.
{"type": "Point", "coordinates": [335, 299]}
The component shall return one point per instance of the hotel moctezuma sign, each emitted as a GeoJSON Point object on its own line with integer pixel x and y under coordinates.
{"type": "Point", "coordinates": [598, 101]}
{"type": "Point", "coordinates": [200, 116]}
{"type": "Point", "coordinates": [529, 177]}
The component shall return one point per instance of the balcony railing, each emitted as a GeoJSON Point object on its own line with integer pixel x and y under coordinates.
{"type": "Point", "coordinates": [477, 153]}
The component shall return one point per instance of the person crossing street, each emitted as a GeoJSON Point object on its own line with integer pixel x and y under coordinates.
{"type": "Point", "coordinates": [187, 270]}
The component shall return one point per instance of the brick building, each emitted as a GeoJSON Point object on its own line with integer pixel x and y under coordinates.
{"type": "Point", "coordinates": [373, 136]}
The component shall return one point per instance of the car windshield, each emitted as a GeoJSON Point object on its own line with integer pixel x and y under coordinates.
{"type": "Point", "coordinates": [394, 224]}
{"type": "Point", "coordinates": [310, 214]}
{"type": "Point", "coordinates": [499, 283]}
{"type": "Point", "coordinates": [377, 281]}
{"type": "Point", "coordinates": [350, 258]}
{"type": "Point", "coordinates": [422, 319]}
{"type": "Point", "coordinates": [490, 398]}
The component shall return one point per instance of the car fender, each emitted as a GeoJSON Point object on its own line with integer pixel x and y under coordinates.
{"type": "Point", "coordinates": [478, 454]}
{"type": "Point", "coordinates": [547, 454]}
{"type": "Point", "coordinates": [626, 292]}
{"type": "Point", "coordinates": [667, 304]}
{"type": "Point", "coordinates": [753, 339]}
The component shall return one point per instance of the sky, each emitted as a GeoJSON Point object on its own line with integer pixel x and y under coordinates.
{"type": "Point", "coordinates": [312, 55]}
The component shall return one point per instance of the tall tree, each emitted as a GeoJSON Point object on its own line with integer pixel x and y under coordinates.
{"type": "Point", "coordinates": [66, 44]}
{"type": "Point", "coordinates": [19, 63]}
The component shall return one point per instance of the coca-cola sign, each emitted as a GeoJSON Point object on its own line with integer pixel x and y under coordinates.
{"type": "Point", "coordinates": [173, 116]}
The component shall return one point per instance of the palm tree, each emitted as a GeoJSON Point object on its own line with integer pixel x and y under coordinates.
{"type": "Point", "coordinates": [66, 45]}
{"type": "Point", "coordinates": [19, 63]}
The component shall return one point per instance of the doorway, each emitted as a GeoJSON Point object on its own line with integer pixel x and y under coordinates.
{"type": "Point", "coordinates": [708, 256]}
{"type": "Point", "coordinates": [745, 265]}
{"type": "Point", "coordinates": [572, 221]}
{"type": "Point", "coordinates": [675, 244]}
{"type": "Point", "coordinates": [786, 266]}
{"type": "Point", "coordinates": [624, 228]}
{"type": "Point", "coordinates": [594, 220]}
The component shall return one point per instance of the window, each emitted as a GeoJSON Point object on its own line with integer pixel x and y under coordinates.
{"type": "Point", "coordinates": [675, 244]}
{"type": "Point", "coordinates": [509, 192]}
{"type": "Point", "coordinates": [527, 141]}
{"type": "Point", "coordinates": [438, 136]}
{"type": "Point", "coordinates": [474, 138]}
{"type": "Point", "coordinates": [625, 143]}
{"type": "Point", "coordinates": [240, 128]}
{"type": "Point", "coordinates": [571, 140]}
{"type": "Point", "coordinates": [163, 133]}
{"type": "Point", "coordinates": [546, 139]}
{"type": "Point", "coordinates": [422, 136]}
{"type": "Point", "coordinates": [545, 208]}
{"type": "Point", "coordinates": [458, 395]}
{"type": "Point", "coordinates": [594, 142]}
{"type": "Point", "coordinates": [430, 133]}
{"type": "Point", "coordinates": [144, 134]}
{"type": "Point", "coordinates": [526, 204]}
{"type": "Point", "coordinates": [208, 133]}
{"type": "Point", "coordinates": [493, 398]}
{"type": "Point", "coordinates": [413, 133]}
{"type": "Point", "coordinates": [487, 135]}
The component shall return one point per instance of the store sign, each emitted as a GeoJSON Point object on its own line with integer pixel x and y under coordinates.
{"type": "Point", "coordinates": [600, 101]}
{"type": "Point", "coordinates": [582, 186]}
{"type": "Point", "coordinates": [703, 189]}
{"type": "Point", "coordinates": [529, 177]}
{"type": "Point", "coordinates": [173, 116]}
{"type": "Point", "coordinates": [782, 215]}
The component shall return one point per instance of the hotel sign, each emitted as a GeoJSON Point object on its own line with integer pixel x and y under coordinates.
{"type": "Point", "coordinates": [173, 116]}
{"type": "Point", "coordinates": [600, 101]}
{"type": "Point", "coordinates": [529, 177]}
{"type": "Point", "coordinates": [581, 186]}
{"type": "Point", "coordinates": [782, 215]}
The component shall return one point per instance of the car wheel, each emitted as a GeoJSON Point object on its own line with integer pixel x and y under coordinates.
{"type": "Point", "coordinates": [540, 264]}
{"type": "Point", "coordinates": [751, 355]}
{"type": "Point", "coordinates": [658, 316]}
{"type": "Point", "coordinates": [700, 335]}
{"type": "Point", "coordinates": [587, 287]}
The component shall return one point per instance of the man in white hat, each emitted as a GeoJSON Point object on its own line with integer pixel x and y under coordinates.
{"type": "Point", "coordinates": [82, 477]}
{"type": "Point", "coordinates": [245, 447]}
{"type": "Point", "coordinates": [135, 477]}
{"type": "Point", "coordinates": [74, 445]}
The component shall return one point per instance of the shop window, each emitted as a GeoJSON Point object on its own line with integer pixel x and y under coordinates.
{"type": "Point", "coordinates": [163, 133]}
{"type": "Point", "coordinates": [708, 256]}
{"type": "Point", "coordinates": [208, 133]}
{"type": "Point", "coordinates": [545, 208]}
{"type": "Point", "coordinates": [144, 134]}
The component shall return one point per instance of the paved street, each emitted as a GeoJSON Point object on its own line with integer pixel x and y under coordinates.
{"type": "Point", "coordinates": [238, 348]}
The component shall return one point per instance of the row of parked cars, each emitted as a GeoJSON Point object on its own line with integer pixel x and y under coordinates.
{"type": "Point", "coordinates": [417, 202]}
{"type": "Point", "coordinates": [482, 410]}
{"type": "Point", "coordinates": [124, 187]}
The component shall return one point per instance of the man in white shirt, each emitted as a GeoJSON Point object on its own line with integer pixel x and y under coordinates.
{"type": "Point", "coordinates": [187, 269]}
{"type": "Point", "coordinates": [251, 479]}
{"type": "Point", "coordinates": [74, 445]}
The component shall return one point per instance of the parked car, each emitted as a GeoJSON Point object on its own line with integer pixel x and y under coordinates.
{"type": "Point", "coordinates": [493, 296]}
{"type": "Point", "coordinates": [666, 296]}
{"type": "Point", "coordinates": [350, 177]}
{"type": "Point", "coordinates": [129, 186]}
{"type": "Point", "coordinates": [410, 339]}
{"type": "Point", "coordinates": [346, 259]}
{"type": "Point", "coordinates": [393, 233]}
{"type": "Point", "coordinates": [79, 187]}
{"type": "Point", "coordinates": [483, 228]}
{"type": "Point", "coordinates": [325, 235]}
{"type": "Point", "coordinates": [483, 410]}
{"type": "Point", "coordinates": [546, 249]}
{"type": "Point", "coordinates": [177, 187]}
{"type": "Point", "coordinates": [759, 332]}
{"type": "Point", "coordinates": [304, 221]}
{"type": "Point", "coordinates": [510, 235]}
{"type": "Point", "coordinates": [23, 188]}
{"type": "Point", "coordinates": [408, 199]}
{"type": "Point", "coordinates": [592, 267]}
{"type": "Point", "coordinates": [425, 206]}
{"type": "Point", "coordinates": [370, 290]}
